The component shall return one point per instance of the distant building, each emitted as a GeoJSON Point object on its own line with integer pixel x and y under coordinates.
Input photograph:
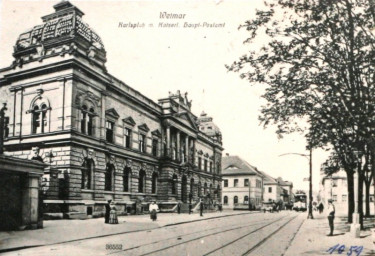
{"type": "Point", "coordinates": [335, 187]}
{"type": "Point", "coordinates": [287, 186]}
{"type": "Point", "coordinates": [273, 191]}
{"type": "Point", "coordinates": [242, 183]}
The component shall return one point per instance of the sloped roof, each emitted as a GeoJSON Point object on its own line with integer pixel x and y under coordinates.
{"type": "Point", "coordinates": [234, 165]}
{"type": "Point", "coordinates": [268, 179]}
{"type": "Point", "coordinates": [284, 182]}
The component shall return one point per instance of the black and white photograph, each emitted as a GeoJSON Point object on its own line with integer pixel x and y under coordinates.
{"type": "Point", "coordinates": [160, 127]}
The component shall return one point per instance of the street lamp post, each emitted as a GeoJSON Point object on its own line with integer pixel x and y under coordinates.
{"type": "Point", "coordinates": [309, 157]}
{"type": "Point", "coordinates": [355, 227]}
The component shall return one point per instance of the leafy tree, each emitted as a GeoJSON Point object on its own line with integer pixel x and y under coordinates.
{"type": "Point", "coordinates": [317, 64]}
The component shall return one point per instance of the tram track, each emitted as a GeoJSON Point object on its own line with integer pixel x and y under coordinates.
{"type": "Point", "coordinates": [267, 237]}
{"type": "Point", "coordinates": [250, 233]}
{"type": "Point", "coordinates": [25, 247]}
{"type": "Point", "coordinates": [239, 226]}
{"type": "Point", "coordinates": [204, 236]}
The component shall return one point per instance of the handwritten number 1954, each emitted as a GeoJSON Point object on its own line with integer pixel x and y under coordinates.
{"type": "Point", "coordinates": [341, 249]}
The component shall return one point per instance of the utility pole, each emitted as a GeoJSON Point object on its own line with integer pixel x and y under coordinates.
{"type": "Point", "coordinates": [309, 157]}
{"type": "Point", "coordinates": [310, 216]}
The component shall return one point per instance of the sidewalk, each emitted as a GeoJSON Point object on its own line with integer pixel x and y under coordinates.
{"type": "Point", "coordinates": [312, 238]}
{"type": "Point", "coordinates": [60, 231]}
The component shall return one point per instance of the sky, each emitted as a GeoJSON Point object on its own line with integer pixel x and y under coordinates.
{"type": "Point", "coordinates": [155, 60]}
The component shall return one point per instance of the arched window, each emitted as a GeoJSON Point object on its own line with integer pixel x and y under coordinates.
{"type": "Point", "coordinates": [87, 120]}
{"type": "Point", "coordinates": [235, 200]}
{"type": "Point", "coordinates": [225, 200]}
{"type": "Point", "coordinates": [154, 187]}
{"type": "Point", "coordinates": [205, 189]}
{"type": "Point", "coordinates": [126, 179]}
{"type": "Point", "coordinates": [36, 119]}
{"type": "Point", "coordinates": [174, 184]}
{"type": "Point", "coordinates": [87, 174]}
{"type": "Point", "coordinates": [199, 189]}
{"type": "Point", "coordinates": [108, 177]}
{"type": "Point", "coordinates": [39, 118]}
{"type": "Point", "coordinates": [142, 181]}
{"type": "Point", "coordinates": [246, 200]}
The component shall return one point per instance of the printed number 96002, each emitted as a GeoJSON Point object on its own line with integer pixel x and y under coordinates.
{"type": "Point", "coordinates": [113, 246]}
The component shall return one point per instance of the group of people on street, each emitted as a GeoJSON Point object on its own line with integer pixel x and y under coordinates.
{"type": "Point", "coordinates": [110, 216]}
{"type": "Point", "coordinates": [110, 213]}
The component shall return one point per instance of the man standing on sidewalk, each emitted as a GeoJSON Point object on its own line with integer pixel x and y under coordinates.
{"type": "Point", "coordinates": [201, 208]}
{"type": "Point", "coordinates": [331, 216]}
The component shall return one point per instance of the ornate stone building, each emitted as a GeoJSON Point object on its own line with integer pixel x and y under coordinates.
{"type": "Point", "coordinates": [103, 139]}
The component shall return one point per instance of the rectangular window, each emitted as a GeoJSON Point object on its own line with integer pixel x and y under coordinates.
{"type": "Point", "coordinates": [205, 165]}
{"type": "Point", "coordinates": [199, 163]}
{"type": "Point", "coordinates": [334, 183]}
{"type": "Point", "coordinates": [109, 131]}
{"type": "Point", "coordinates": [210, 166]}
{"type": "Point", "coordinates": [344, 198]}
{"type": "Point", "coordinates": [142, 143]}
{"type": "Point", "coordinates": [127, 137]}
{"type": "Point", "coordinates": [269, 190]}
{"type": "Point", "coordinates": [235, 183]}
{"type": "Point", "coordinates": [225, 183]}
{"type": "Point", "coordinates": [246, 182]}
{"type": "Point", "coordinates": [155, 147]}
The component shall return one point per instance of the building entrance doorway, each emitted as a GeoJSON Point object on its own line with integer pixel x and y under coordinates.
{"type": "Point", "coordinates": [10, 201]}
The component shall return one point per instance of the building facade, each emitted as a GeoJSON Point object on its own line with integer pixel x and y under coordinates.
{"type": "Point", "coordinates": [103, 139]}
{"type": "Point", "coordinates": [241, 182]}
{"type": "Point", "coordinates": [273, 191]}
{"type": "Point", "coordinates": [287, 187]}
{"type": "Point", "coordinates": [335, 187]}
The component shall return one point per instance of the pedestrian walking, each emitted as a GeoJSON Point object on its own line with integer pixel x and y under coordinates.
{"type": "Point", "coordinates": [113, 214]}
{"type": "Point", "coordinates": [153, 209]}
{"type": "Point", "coordinates": [320, 208]}
{"type": "Point", "coordinates": [107, 211]}
{"type": "Point", "coordinates": [331, 216]}
{"type": "Point", "coordinates": [190, 208]}
{"type": "Point", "coordinates": [178, 207]}
{"type": "Point", "coordinates": [201, 208]}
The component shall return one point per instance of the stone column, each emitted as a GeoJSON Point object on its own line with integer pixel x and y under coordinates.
{"type": "Point", "coordinates": [102, 118]}
{"type": "Point", "coordinates": [168, 131]}
{"type": "Point", "coordinates": [193, 154]}
{"type": "Point", "coordinates": [30, 201]}
{"type": "Point", "coordinates": [178, 149]}
{"type": "Point", "coordinates": [187, 148]}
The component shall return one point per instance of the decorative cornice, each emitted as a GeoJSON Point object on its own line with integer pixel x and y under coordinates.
{"type": "Point", "coordinates": [143, 127]}
{"type": "Point", "coordinates": [129, 120]}
{"type": "Point", "coordinates": [156, 133]}
{"type": "Point", "coordinates": [112, 113]}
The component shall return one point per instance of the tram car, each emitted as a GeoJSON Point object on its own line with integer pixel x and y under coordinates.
{"type": "Point", "coordinates": [300, 204]}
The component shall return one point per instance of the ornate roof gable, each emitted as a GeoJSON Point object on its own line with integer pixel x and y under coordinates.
{"type": "Point", "coordinates": [187, 119]}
